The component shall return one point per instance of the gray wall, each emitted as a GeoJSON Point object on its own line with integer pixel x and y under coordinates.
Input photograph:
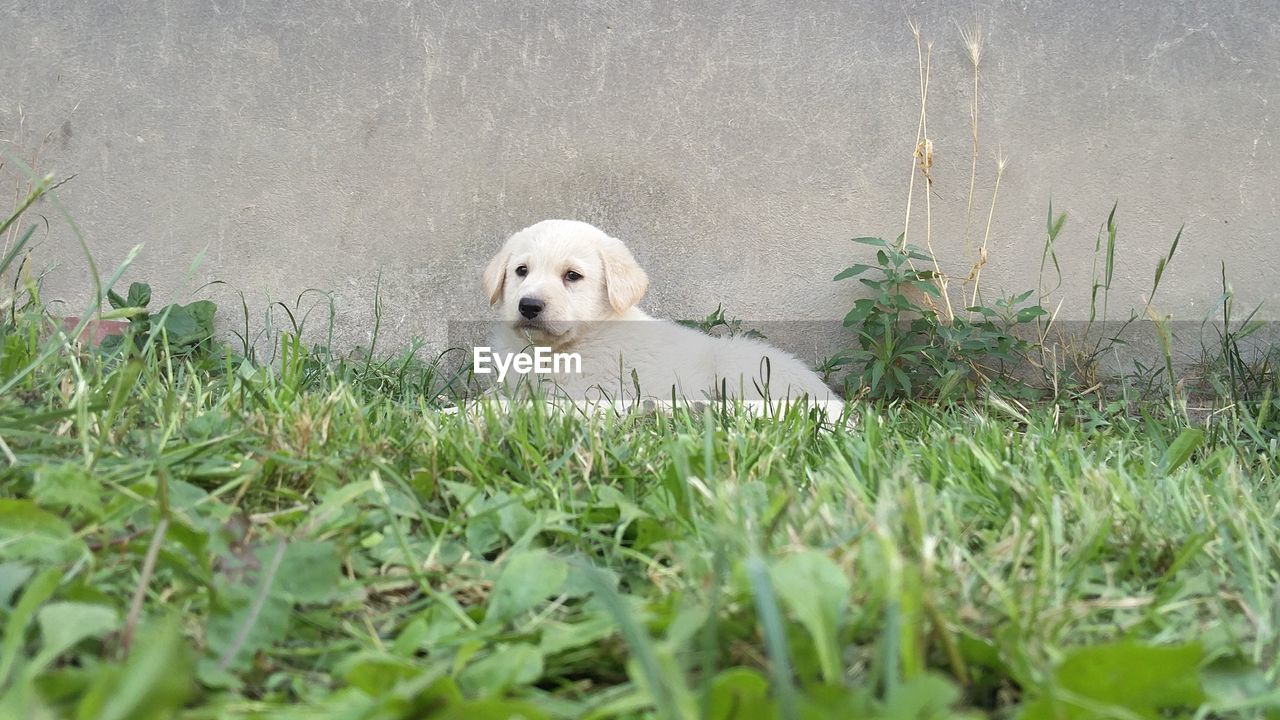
{"type": "Point", "coordinates": [736, 147]}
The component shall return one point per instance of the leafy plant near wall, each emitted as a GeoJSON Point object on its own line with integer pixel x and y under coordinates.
{"type": "Point", "coordinates": [904, 347]}
{"type": "Point", "coordinates": [909, 339]}
{"type": "Point", "coordinates": [181, 329]}
{"type": "Point", "coordinates": [717, 322]}
{"type": "Point", "coordinates": [894, 328]}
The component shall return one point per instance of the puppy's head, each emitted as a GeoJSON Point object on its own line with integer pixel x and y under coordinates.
{"type": "Point", "coordinates": [551, 277]}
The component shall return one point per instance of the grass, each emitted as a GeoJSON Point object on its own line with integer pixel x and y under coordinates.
{"type": "Point", "coordinates": [202, 537]}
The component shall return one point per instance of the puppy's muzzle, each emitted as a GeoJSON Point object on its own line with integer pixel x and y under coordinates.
{"type": "Point", "coordinates": [531, 308]}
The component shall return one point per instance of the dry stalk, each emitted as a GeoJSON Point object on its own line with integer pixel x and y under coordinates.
{"type": "Point", "coordinates": [922, 159]}
{"type": "Point", "coordinates": [911, 183]}
{"type": "Point", "coordinates": [1002, 162]}
{"type": "Point", "coordinates": [972, 37]}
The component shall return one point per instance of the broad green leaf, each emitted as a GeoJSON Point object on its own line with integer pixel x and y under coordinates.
{"type": "Point", "coordinates": [310, 572]}
{"type": "Point", "coordinates": [926, 285]}
{"type": "Point", "coordinates": [927, 697]}
{"type": "Point", "coordinates": [1238, 683]}
{"type": "Point", "coordinates": [1135, 675]}
{"type": "Point", "coordinates": [739, 694]}
{"type": "Point", "coordinates": [817, 592]}
{"type": "Point", "coordinates": [861, 309]}
{"type": "Point", "coordinates": [837, 702]}
{"type": "Point", "coordinates": [67, 485]}
{"type": "Point", "coordinates": [1181, 449]}
{"type": "Point", "coordinates": [558, 636]}
{"type": "Point", "coordinates": [421, 696]}
{"type": "Point", "coordinates": [852, 271]}
{"type": "Point", "coordinates": [514, 517]}
{"type": "Point", "coordinates": [151, 684]}
{"type": "Point", "coordinates": [12, 577]}
{"type": "Point", "coordinates": [873, 241]}
{"type": "Point", "coordinates": [506, 666]}
{"type": "Point", "coordinates": [139, 295]}
{"type": "Point", "coordinates": [63, 624]}
{"type": "Point", "coordinates": [187, 325]}
{"type": "Point", "coordinates": [29, 533]}
{"type": "Point", "coordinates": [237, 627]}
{"type": "Point", "coordinates": [583, 581]}
{"type": "Point", "coordinates": [376, 673]}
{"type": "Point", "coordinates": [527, 579]}
{"type": "Point", "coordinates": [1139, 679]}
{"type": "Point", "coordinates": [1028, 314]}
{"type": "Point", "coordinates": [413, 636]}
{"type": "Point", "coordinates": [903, 381]}
{"type": "Point", "coordinates": [609, 496]}
{"type": "Point", "coordinates": [981, 652]}
{"type": "Point", "coordinates": [38, 591]}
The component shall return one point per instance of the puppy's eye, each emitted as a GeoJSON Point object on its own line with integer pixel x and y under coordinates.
{"type": "Point", "coordinates": [572, 276]}
{"type": "Point", "coordinates": [522, 270]}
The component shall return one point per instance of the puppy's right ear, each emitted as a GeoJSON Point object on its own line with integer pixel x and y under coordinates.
{"type": "Point", "coordinates": [495, 276]}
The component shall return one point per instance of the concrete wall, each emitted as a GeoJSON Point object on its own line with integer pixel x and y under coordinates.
{"type": "Point", "coordinates": [736, 146]}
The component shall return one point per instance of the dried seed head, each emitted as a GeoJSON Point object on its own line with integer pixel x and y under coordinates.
{"type": "Point", "coordinates": [972, 37]}
{"type": "Point", "coordinates": [924, 155]}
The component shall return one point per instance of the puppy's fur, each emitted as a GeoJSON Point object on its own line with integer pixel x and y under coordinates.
{"type": "Point", "coordinates": [588, 284]}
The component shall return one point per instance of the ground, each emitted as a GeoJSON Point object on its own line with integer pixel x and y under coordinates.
{"type": "Point", "coordinates": [192, 534]}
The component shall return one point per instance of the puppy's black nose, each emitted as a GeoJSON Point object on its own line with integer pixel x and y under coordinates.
{"type": "Point", "coordinates": [531, 307]}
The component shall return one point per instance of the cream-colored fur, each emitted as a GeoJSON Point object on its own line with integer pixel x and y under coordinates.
{"type": "Point", "coordinates": [626, 354]}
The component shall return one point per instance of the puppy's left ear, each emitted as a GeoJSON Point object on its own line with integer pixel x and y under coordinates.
{"type": "Point", "coordinates": [625, 281]}
{"type": "Point", "coordinates": [495, 276]}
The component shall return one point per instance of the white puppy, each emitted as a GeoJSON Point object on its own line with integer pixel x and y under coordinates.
{"type": "Point", "coordinates": [570, 287]}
